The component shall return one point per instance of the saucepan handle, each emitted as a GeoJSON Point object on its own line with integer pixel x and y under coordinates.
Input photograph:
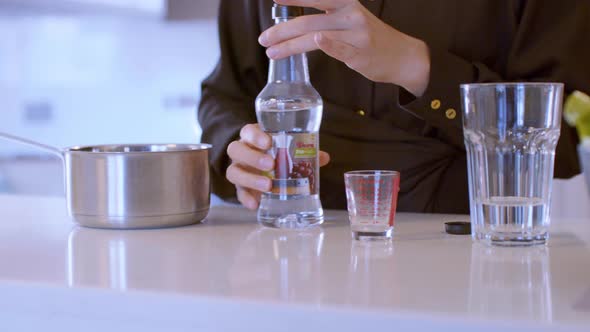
{"type": "Point", "coordinates": [41, 146]}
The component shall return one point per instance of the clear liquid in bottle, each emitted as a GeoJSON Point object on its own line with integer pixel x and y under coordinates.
{"type": "Point", "coordinates": [294, 199]}
{"type": "Point", "coordinates": [289, 109]}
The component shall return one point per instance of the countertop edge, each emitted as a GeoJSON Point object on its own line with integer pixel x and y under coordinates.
{"type": "Point", "coordinates": [31, 306]}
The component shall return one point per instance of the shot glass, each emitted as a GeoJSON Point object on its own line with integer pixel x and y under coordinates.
{"type": "Point", "coordinates": [372, 201]}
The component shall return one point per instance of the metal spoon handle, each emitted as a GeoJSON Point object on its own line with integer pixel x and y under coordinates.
{"type": "Point", "coordinates": [47, 148]}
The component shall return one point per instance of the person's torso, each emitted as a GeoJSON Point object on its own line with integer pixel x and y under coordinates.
{"type": "Point", "coordinates": [364, 126]}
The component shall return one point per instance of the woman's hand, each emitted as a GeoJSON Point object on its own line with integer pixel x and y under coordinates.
{"type": "Point", "coordinates": [349, 32]}
{"type": "Point", "coordinates": [249, 160]}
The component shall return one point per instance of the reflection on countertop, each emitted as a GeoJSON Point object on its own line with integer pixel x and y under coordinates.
{"type": "Point", "coordinates": [511, 282]}
{"type": "Point", "coordinates": [229, 256]}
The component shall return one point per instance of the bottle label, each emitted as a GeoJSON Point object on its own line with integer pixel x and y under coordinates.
{"type": "Point", "coordinates": [296, 169]}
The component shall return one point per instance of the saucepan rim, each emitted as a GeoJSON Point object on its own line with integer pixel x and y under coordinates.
{"type": "Point", "coordinates": [137, 148]}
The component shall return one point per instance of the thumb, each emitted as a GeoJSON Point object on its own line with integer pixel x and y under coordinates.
{"type": "Point", "coordinates": [324, 158]}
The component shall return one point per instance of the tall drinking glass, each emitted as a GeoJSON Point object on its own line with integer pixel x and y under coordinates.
{"type": "Point", "coordinates": [511, 131]}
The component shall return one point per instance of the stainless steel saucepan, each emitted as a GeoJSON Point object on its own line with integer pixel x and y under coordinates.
{"type": "Point", "coordinates": [134, 186]}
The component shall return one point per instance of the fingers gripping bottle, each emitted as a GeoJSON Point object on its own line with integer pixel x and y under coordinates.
{"type": "Point", "coordinates": [289, 109]}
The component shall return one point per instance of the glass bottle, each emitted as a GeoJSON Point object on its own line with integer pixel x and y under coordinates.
{"type": "Point", "coordinates": [289, 109]}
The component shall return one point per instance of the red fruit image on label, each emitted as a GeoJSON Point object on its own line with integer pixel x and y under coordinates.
{"type": "Point", "coordinates": [296, 158]}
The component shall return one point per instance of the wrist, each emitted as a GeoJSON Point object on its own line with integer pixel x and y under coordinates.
{"type": "Point", "coordinates": [413, 74]}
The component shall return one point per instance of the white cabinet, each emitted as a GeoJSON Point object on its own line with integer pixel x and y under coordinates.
{"type": "Point", "coordinates": [150, 7]}
{"type": "Point", "coordinates": [172, 10]}
{"type": "Point", "coordinates": [98, 80]}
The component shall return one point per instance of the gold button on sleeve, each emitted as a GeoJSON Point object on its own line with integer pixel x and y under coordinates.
{"type": "Point", "coordinates": [451, 114]}
{"type": "Point", "coordinates": [435, 104]}
{"type": "Point", "coordinates": [360, 112]}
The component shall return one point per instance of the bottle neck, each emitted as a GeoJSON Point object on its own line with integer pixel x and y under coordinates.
{"type": "Point", "coordinates": [290, 69]}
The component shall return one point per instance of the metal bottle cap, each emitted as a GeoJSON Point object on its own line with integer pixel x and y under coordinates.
{"type": "Point", "coordinates": [286, 12]}
{"type": "Point", "coordinates": [458, 228]}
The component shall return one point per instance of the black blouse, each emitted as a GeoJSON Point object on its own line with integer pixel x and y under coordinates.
{"type": "Point", "coordinates": [369, 125]}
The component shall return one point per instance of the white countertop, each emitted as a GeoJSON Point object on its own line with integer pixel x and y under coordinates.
{"type": "Point", "coordinates": [231, 274]}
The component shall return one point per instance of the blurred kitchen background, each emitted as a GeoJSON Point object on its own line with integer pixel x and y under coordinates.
{"type": "Point", "coordinates": [83, 72]}
{"type": "Point", "coordinates": [78, 72]}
